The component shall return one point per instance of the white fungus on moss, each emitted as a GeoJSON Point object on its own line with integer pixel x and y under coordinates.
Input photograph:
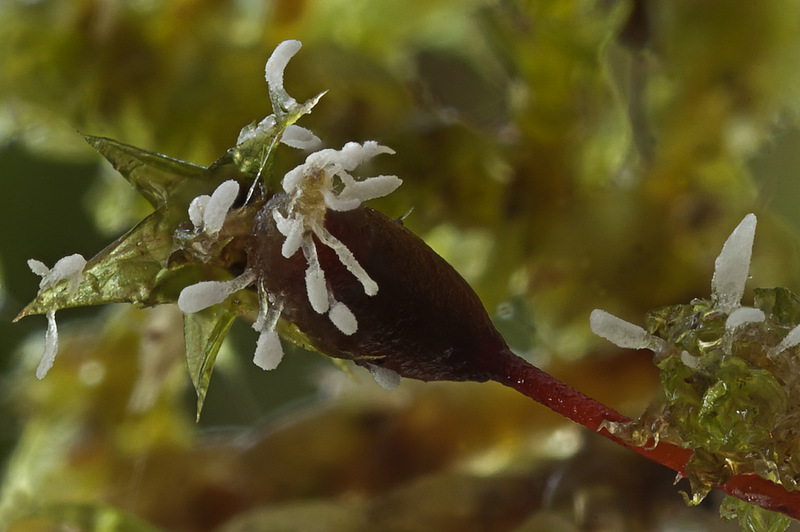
{"type": "Point", "coordinates": [269, 351]}
{"type": "Point", "coordinates": [204, 294]}
{"type": "Point", "coordinates": [301, 138]}
{"type": "Point", "coordinates": [273, 71]}
{"type": "Point", "coordinates": [622, 333]}
{"type": "Point", "coordinates": [385, 377]}
{"type": "Point", "coordinates": [68, 269]}
{"type": "Point", "coordinates": [343, 318]}
{"type": "Point", "coordinates": [744, 315]}
{"type": "Point", "coordinates": [208, 213]}
{"type": "Point", "coordinates": [293, 135]}
{"type": "Point", "coordinates": [733, 266]}
{"type": "Point", "coordinates": [791, 339]}
{"type": "Point", "coordinates": [731, 270]}
{"type": "Point", "coordinates": [323, 182]}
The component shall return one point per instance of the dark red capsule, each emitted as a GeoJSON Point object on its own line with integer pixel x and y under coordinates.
{"type": "Point", "coordinates": [425, 322]}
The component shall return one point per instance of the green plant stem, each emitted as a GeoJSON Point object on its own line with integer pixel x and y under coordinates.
{"type": "Point", "coordinates": [510, 370]}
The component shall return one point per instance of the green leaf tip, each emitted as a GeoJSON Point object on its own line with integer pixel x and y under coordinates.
{"type": "Point", "coordinates": [153, 175]}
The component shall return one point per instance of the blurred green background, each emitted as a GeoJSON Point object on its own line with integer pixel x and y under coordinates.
{"type": "Point", "coordinates": [563, 155]}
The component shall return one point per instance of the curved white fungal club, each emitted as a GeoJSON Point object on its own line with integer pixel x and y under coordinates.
{"type": "Point", "coordinates": [283, 104]}
{"type": "Point", "coordinates": [70, 269]}
{"type": "Point", "coordinates": [323, 182]}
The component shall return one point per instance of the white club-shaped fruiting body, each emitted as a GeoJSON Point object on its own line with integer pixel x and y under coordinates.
{"type": "Point", "coordinates": [731, 270]}
{"type": "Point", "coordinates": [323, 182]}
{"type": "Point", "coordinates": [69, 269]}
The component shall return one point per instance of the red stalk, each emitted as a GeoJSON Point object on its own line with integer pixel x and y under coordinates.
{"type": "Point", "coordinates": [514, 372]}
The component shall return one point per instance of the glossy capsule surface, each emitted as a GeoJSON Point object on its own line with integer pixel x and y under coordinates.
{"type": "Point", "coordinates": [425, 322]}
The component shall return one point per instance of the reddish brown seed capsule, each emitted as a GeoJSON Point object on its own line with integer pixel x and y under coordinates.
{"type": "Point", "coordinates": [425, 322]}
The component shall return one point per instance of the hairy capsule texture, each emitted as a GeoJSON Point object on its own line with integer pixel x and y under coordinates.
{"type": "Point", "coordinates": [424, 321]}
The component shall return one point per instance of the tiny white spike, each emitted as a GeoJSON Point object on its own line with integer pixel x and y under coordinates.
{"type": "Point", "coordinates": [733, 266]}
{"type": "Point", "coordinates": [690, 361]}
{"type": "Point", "coordinates": [50, 346]}
{"type": "Point", "coordinates": [791, 339]}
{"type": "Point", "coordinates": [39, 268]}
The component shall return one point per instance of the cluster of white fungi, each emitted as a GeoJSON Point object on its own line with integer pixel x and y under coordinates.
{"type": "Point", "coordinates": [323, 182]}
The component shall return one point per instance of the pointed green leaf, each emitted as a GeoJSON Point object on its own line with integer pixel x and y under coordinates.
{"type": "Point", "coordinates": [155, 176]}
{"type": "Point", "coordinates": [204, 333]}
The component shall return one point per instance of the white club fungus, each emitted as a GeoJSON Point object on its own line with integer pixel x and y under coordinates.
{"type": "Point", "coordinates": [791, 339]}
{"type": "Point", "coordinates": [196, 210]}
{"type": "Point", "coordinates": [273, 71]}
{"type": "Point", "coordinates": [742, 316]}
{"type": "Point", "coordinates": [311, 189]}
{"type": "Point", "coordinates": [204, 294]}
{"type": "Point", "coordinates": [293, 135]}
{"type": "Point", "coordinates": [343, 318]}
{"type": "Point", "coordinates": [385, 377]}
{"type": "Point", "coordinates": [317, 289]}
{"type": "Point", "coordinates": [620, 332]}
{"type": "Point", "coordinates": [69, 269]}
{"type": "Point", "coordinates": [301, 138]}
{"type": "Point", "coordinates": [208, 213]}
{"type": "Point", "coordinates": [690, 361]}
{"type": "Point", "coordinates": [733, 265]}
{"type": "Point", "coordinates": [269, 351]}
{"type": "Point", "coordinates": [218, 205]}
{"type": "Point", "coordinates": [292, 229]}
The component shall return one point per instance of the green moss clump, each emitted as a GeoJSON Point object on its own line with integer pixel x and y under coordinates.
{"type": "Point", "coordinates": [729, 393]}
{"type": "Point", "coordinates": [752, 518]}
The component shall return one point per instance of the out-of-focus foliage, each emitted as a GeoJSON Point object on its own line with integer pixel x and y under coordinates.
{"type": "Point", "coordinates": [459, 456]}
{"type": "Point", "coordinates": [591, 150]}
